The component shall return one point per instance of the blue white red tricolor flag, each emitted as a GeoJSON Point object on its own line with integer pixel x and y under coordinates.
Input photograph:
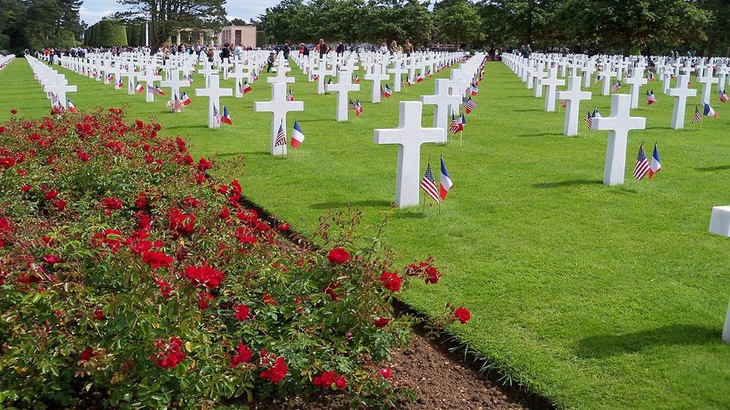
{"type": "Point", "coordinates": [445, 183]}
{"type": "Point", "coordinates": [709, 111]}
{"type": "Point", "coordinates": [656, 165]}
{"type": "Point", "coordinates": [226, 117]}
{"type": "Point", "coordinates": [297, 136]}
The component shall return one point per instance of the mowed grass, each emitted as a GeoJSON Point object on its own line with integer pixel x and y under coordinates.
{"type": "Point", "coordinates": [593, 296]}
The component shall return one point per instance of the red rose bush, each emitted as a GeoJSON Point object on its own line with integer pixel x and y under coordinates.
{"type": "Point", "coordinates": [126, 269]}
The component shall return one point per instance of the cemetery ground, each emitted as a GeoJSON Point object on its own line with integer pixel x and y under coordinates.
{"type": "Point", "coordinates": [591, 296]}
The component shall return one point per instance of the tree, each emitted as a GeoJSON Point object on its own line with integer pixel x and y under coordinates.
{"type": "Point", "coordinates": [457, 23]}
{"type": "Point", "coordinates": [166, 17]}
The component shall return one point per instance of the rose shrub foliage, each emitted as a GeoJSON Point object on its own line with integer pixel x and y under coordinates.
{"type": "Point", "coordinates": [127, 270]}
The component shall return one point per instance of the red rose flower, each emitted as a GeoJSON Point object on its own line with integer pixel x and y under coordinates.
{"type": "Point", "coordinates": [242, 312]}
{"type": "Point", "coordinates": [87, 354]}
{"type": "Point", "coordinates": [284, 227]}
{"type": "Point", "coordinates": [382, 322]}
{"type": "Point", "coordinates": [331, 291]}
{"type": "Point", "coordinates": [386, 373]}
{"type": "Point", "coordinates": [432, 275]}
{"type": "Point", "coordinates": [111, 204]}
{"type": "Point", "coordinates": [99, 314]}
{"type": "Point", "coordinates": [277, 372]}
{"type": "Point", "coordinates": [156, 259]}
{"type": "Point", "coordinates": [338, 256]}
{"type": "Point", "coordinates": [204, 300]}
{"type": "Point", "coordinates": [268, 300]}
{"type": "Point", "coordinates": [184, 224]}
{"type": "Point", "coordinates": [462, 314]}
{"type": "Point", "coordinates": [204, 275]}
{"type": "Point", "coordinates": [243, 355]}
{"type": "Point", "coordinates": [391, 281]}
{"type": "Point", "coordinates": [170, 354]}
{"type": "Point", "coordinates": [203, 165]}
{"type": "Point", "coordinates": [13, 111]}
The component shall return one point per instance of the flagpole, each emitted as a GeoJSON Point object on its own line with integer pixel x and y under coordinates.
{"type": "Point", "coordinates": [461, 142]}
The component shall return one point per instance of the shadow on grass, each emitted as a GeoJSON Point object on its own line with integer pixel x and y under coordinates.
{"type": "Point", "coordinates": [603, 346]}
{"type": "Point", "coordinates": [712, 169]}
{"type": "Point", "coordinates": [572, 182]}
{"type": "Point", "coordinates": [356, 204]}
{"type": "Point", "coordinates": [543, 134]}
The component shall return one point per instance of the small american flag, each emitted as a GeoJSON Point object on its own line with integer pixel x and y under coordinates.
{"type": "Point", "coordinates": [650, 98]}
{"type": "Point", "coordinates": [428, 184]}
{"type": "Point", "coordinates": [455, 124]}
{"type": "Point", "coordinates": [216, 115]}
{"type": "Point", "coordinates": [280, 137]}
{"type": "Point", "coordinates": [589, 120]}
{"type": "Point", "coordinates": [697, 117]}
{"type": "Point", "coordinates": [723, 96]}
{"type": "Point", "coordinates": [469, 104]}
{"type": "Point", "coordinates": [617, 86]}
{"type": "Point", "coordinates": [563, 102]}
{"type": "Point", "coordinates": [289, 95]}
{"type": "Point", "coordinates": [176, 104]}
{"type": "Point", "coordinates": [642, 164]}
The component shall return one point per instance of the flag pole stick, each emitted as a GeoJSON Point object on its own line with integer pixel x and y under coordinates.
{"type": "Point", "coordinates": [461, 142]}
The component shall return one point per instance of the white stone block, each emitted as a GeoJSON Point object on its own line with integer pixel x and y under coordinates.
{"type": "Point", "coordinates": [720, 220]}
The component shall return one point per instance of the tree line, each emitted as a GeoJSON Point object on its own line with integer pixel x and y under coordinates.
{"type": "Point", "coordinates": [593, 26]}
{"type": "Point", "coordinates": [36, 24]}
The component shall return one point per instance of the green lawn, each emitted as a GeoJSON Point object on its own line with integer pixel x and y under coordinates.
{"type": "Point", "coordinates": [594, 296]}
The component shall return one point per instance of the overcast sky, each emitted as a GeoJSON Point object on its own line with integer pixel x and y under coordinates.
{"type": "Point", "coordinates": [93, 10]}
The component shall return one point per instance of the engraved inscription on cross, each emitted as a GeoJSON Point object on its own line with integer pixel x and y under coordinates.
{"type": "Point", "coordinates": [342, 88]}
{"type": "Point", "coordinates": [618, 124]}
{"type": "Point", "coordinates": [409, 136]}
{"type": "Point", "coordinates": [680, 94]}
{"type": "Point", "coordinates": [573, 96]}
{"type": "Point", "coordinates": [442, 100]}
{"type": "Point", "coordinates": [214, 93]}
{"type": "Point", "coordinates": [279, 107]}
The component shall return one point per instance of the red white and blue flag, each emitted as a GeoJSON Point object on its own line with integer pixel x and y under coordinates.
{"type": "Point", "coordinates": [469, 104]}
{"type": "Point", "coordinates": [697, 117]}
{"type": "Point", "coordinates": [445, 182]}
{"type": "Point", "coordinates": [428, 184]}
{"type": "Point", "coordinates": [246, 87]}
{"type": "Point", "coordinates": [642, 166]}
{"type": "Point", "coordinates": [280, 137]}
{"type": "Point", "coordinates": [139, 88]}
{"type": "Point", "coordinates": [70, 106]}
{"type": "Point", "coordinates": [650, 98]}
{"type": "Point", "coordinates": [185, 99]}
{"type": "Point", "coordinates": [723, 96]}
{"type": "Point", "coordinates": [297, 136]}
{"type": "Point", "coordinates": [656, 165]}
{"type": "Point", "coordinates": [289, 95]}
{"type": "Point", "coordinates": [387, 92]}
{"type": "Point", "coordinates": [226, 117]}
{"type": "Point", "coordinates": [158, 91]}
{"type": "Point", "coordinates": [455, 125]}
{"type": "Point", "coordinates": [709, 111]}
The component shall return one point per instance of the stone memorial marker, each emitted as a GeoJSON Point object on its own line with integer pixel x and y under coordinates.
{"type": "Point", "coordinates": [174, 82]}
{"type": "Point", "coordinates": [707, 81]}
{"type": "Point", "coordinates": [278, 106]}
{"type": "Point", "coordinates": [445, 103]}
{"type": "Point", "coordinates": [636, 81]}
{"type": "Point", "coordinates": [618, 124]}
{"type": "Point", "coordinates": [342, 88]}
{"type": "Point", "coordinates": [376, 77]}
{"type": "Point", "coordinates": [214, 93]}
{"type": "Point", "coordinates": [551, 82]}
{"type": "Point", "coordinates": [680, 94]}
{"type": "Point", "coordinates": [149, 78]}
{"type": "Point", "coordinates": [573, 96]}
{"type": "Point", "coordinates": [409, 136]}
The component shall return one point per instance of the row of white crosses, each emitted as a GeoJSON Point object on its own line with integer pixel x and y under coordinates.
{"type": "Point", "coordinates": [51, 81]}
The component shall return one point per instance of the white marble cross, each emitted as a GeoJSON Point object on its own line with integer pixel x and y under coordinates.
{"type": "Point", "coordinates": [722, 72]}
{"type": "Point", "coordinates": [680, 94]}
{"type": "Point", "coordinates": [551, 82]}
{"type": "Point", "coordinates": [606, 76]}
{"type": "Point", "coordinates": [174, 82]}
{"type": "Point", "coordinates": [342, 88]}
{"type": "Point", "coordinates": [707, 81]}
{"type": "Point", "coordinates": [321, 71]}
{"type": "Point", "coordinates": [61, 88]}
{"type": "Point", "coordinates": [445, 103]}
{"type": "Point", "coordinates": [281, 76]}
{"type": "Point", "coordinates": [618, 124]}
{"type": "Point", "coordinates": [588, 71]}
{"type": "Point", "coordinates": [573, 96]}
{"type": "Point", "coordinates": [636, 81]}
{"type": "Point", "coordinates": [214, 93]}
{"type": "Point", "coordinates": [409, 136]}
{"type": "Point", "coordinates": [149, 78]}
{"type": "Point", "coordinates": [536, 77]}
{"type": "Point", "coordinates": [397, 70]}
{"type": "Point", "coordinates": [207, 71]}
{"type": "Point", "coordinates": [279, 107]}
{"type": "Point", "coordinates": [376, 77]}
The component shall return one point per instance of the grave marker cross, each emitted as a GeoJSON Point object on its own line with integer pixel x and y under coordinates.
{"type": "Point", "coordinates": [279, 107]}
{"type": "Point", "coordinates": [409, 136]}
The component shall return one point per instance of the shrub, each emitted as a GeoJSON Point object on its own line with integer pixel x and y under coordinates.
{"type": "Point", "coordinates": [128, 271]}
